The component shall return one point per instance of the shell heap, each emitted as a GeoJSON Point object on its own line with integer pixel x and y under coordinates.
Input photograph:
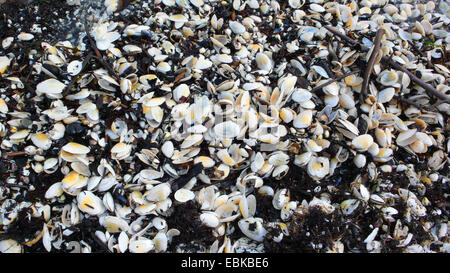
{"type": "Point", "coordinates": [209, 105]}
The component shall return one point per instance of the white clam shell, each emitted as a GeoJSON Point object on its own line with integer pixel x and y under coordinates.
{"type": "Point", "coordinates": [74, 67]}
{"type": "Point", "coordinates": [167, 149]}
{"type": "Point", "coordinates": [50, 87]}
{"type": "Point", "coordinates": [158, 193]}
{"type": "Point", "coordinates": [160, 241]}
{"type": "Point", "coordinates": [115, 224]}
{"type": "Point", "coordinates": [263, 62]}
{"type": "Point", "coordinates": [227, 129]}
{"type": "Point", "coordinates": [303, 119]}
{"type": "Point", "coordinates": [184, 195]}
{"type": "Point", "coordinates": [362, 142]}
{"type": "Point", "coordinates": [386, 95]}
{"type": "Point", "coordinates": [257, 232]}
{"type": "Point", "coordinates": [237, 27]}
{"type": "Point", "coordinates": [54, 191]}
{"type": "Point", "coordinates": [75, 148]}
{"type": "Point", "coordinates": [90, 203]}
{"type": "Point", "coordinates": [141, 245]}
{"type": "Point", "coordinates": [209, 219]}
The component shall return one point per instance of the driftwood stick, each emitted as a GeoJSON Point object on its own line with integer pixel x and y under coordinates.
{"type": "Point", "coordinates": [410, 102]}
{"type": "Point", "coordinates": [430, 89]}
{"type": "Point", "coordinates": [74, 78]}
{"type": "Point", "coordinates": [13, 154]}
{"type": "Point", "coordinates": [370, 64]}
{"type": "Point", "coordinates": [98, 55]}
{"type": "Point", "coordinates": [320, 86]}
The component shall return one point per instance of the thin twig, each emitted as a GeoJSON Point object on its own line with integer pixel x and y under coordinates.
{"type": "Point", "coordinates": [410, 102]}
{"type": "Point", "coordinates": [98, 55]}
{"type": "Point", "coordinates": [72, 81]}
{"type": "Point", "coordinates": [430, 89]}
{"type": "Point", "coordinates": [9, 185]}
{"type": "Point", "coordinates": [370, 64]}
{"type": "Point", "coordinates": [320, 86]}
{"type": "Point", "coordinates": [12, 154]}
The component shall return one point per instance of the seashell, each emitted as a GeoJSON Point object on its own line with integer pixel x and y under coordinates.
{"type": "Point", "coordinates": [160, 240]}
{"type": "Point", "coordinates": [52, 88]}
{"type": "Point", "coordinates": [74, 68]}
{"type": "Point", "coordinates": [424, 138]}
{"type": "Point", "coordinates": [388, 78]}
{"type": "Point", "coordinates": [4, 64]}
{"type": "Point", "coordinates": [296, 4]}
{"type": "Point", "coordinates": [206, 161]}
{"type": "Point", "coordinates": [386, 95]}
{"type": "Point", "coordinates": [406, 138]}
{"type": "Point", "coordinates": [227, 129]}
{"type": "Point", "coordinates": [115, 224]}
{"type": "Point", "coordinates": [237, 27]}
{"type": "Point", "coordinates": [148, 175]}
{"type": "Point", "coordinates": [54, 191]}
{"type": "Point", "coordinates": [301, 95]}
{"type": "Point", "coordinates": [263, 62]}
{"type": "Point", "coordinates": [281, 197]}
{"type": "Point", "coordinates": [140, 245]}
{"type": "Point", "coordinates": [145, 209]}
{"type": "Point", "coordinates": [158, 193]}
{"type": "Point", "coordinates": [266, 190]}
{"type": "Point", "coordinates": [184, 195]}
{"type": "Point", "coordinates": [253, 228]}
{"type": "Point", "coordinates": [3, 106]}
{"type": "Point", "coordinates": [75, 148]}
{"type": "Point", "coordinates": [72, 182]}
{"type": "Point", "coordinates": [191, 140]}
{"type": "Point", "coordinates": [318, 167]}
{"type": "Point", "coordinates": [132, 49]}
{"type": "Point", "coordinates": [319, 70]}
{"type": "Point", "coordinates": [50, 165]}
{"type": "Point", "coordinates": [167, 149]}
{"type": "Point", "coordinates": [349, 206]}
{"type": "Point", "coordinates": [388, 212]}
{"type": "Point", "coordinates": [123, 242]}
{"type": "Point", "coordinates": [209, 219]}
{"type": "Point", "coordinates": [359, 160]}
{"type": "Point", "coordinates": [303, 120]}
{"type": "Point", "coordinates": [346, 101]}
{"type": "Point", "coordinates": [41, 141]}
{"type": "Point", "coordinates": [182, 91]}
{"type": "Point", "coordinates": [303, 159]}
{"type": "Point", "coordinates": [288, 84]}
{"type": "Point", "coordinates": [225, 157]}
{"type": "Point", "coordinates": [280, 171]}
{"type": "Point", "coordinates": [178, 19]}
{"type": "Point", "coordinates": [10, 246]}
{"type": "Point", "coordinates": [287, 114]}
{"type": "Point", "coordinates": [331, 89]}
{"type": "Point", "coordinates": [225, 211]}
{"type": "Point", "coordinates": [23, 36]}
{"type": "Point", "coordinates": [362, 142]}
{"type": "Point", "coordinates": [288, 210]}
{"type": "Point", "coordinates": [316, 8]}
{"type": "Point", "coordinates": [90, 203]}
{"type": "Point", "coordinates": [108, 201]}
{"type": "Point", "coordinates": [243, 207]}
{"type": "Point", "coordinates": [163, 67]}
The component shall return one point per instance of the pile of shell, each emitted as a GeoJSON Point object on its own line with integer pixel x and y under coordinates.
{"type": "Point", "coordinates": [212, 102]}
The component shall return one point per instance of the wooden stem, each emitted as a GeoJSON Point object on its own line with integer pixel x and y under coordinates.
{"type": "Point", "coordinates": [370, 64]}
{"type": "Point", "coordinates": [430, 89]}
